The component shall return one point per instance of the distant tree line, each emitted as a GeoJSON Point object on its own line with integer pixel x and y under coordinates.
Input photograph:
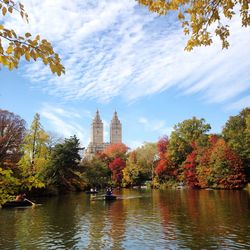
{"type": "Point", "coordinates": [33, 160]}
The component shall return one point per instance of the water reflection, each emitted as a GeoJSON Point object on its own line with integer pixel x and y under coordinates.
{"type": "Point", "coordinates": [177, 219]}
{"type": "Point", "coordinates": [104, 225]}
{"type": "Point", "coordinates": [206, 219]}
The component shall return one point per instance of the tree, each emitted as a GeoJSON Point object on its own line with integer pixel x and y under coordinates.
{"type": "Point", "coordinates": [189, 169]}
{"type": "Point", "coordinates": [164, 168]}
{"type": "Point", "coordinates": [8, 184]}
{"type": "Point", "coordinates": [146, 157]}
{"type": "Point", "coordinates": [192, 130]}
{"type": "Point", "coordinates": [237, 134]}
{"type": "Point", "coordinates": [116, 150]}
{"type": "Point", "coordinates": [218, 166]}
{"type": "Point", "coordinates": [226, 167]}
{"type": "Point", "coordinates": [96, 172]}
{"type": "Point", "coordinates": [185, 135]}
{"type": "Point", "coordinates": [14, 47]}
{"type": "Point", "coordinates": [116, 166]}
{"type": "Point", "coordinates": [36, 156]}
{"type": "Point", "coordinates": [162, 146]}
{"type": "Point", "coordinates": [132, 174]}
{"type": "Point", "coordinates": [64, 171]}
{"type": "Point", "coordinates": [202, 161]}
{"type": "Point", "coordinates": [12, 131]}
{"type": "Point", "coordinates": [199, 17]}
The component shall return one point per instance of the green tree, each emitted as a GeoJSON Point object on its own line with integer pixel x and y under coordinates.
{"type": "Point", "coordinates": [14, 47]}
{"type": "Point", "coordinates": [200, 19]}
{"type": "Point", "coordinates": [96, 172]}
{"type": "Point", "coordinates": [237, 134]}
{"type": "Point", "coordinates": [36, 156]}
{"type": "Point", "coordinates": [146, 156]}
{"type": "Point", "coordinates": [185, 134]}
{"type": "Point", "coordinates": [64, 171]}
{"type": "Point", "coordinates": [8, 184]}
{"type": "Point", "coordinates": [132, 172]}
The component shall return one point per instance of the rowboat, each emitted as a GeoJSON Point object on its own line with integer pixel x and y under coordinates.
{"type": "Point", "coordinates": [10, 204]}
{"type": "Point", "coordinates": [91, 192]}
{"type": "Point", "coordinates": [110, 197]}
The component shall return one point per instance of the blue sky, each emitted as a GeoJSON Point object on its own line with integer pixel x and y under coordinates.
{"type": "Point", "coordinates": [120, 57]}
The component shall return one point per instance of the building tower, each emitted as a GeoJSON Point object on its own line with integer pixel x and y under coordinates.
{"type": "Point", "coordinates": [115, 130]}
{"type": "Point", "coordinates": [97, 143]}
{"type": "Point", "coordinates": [97, 130]}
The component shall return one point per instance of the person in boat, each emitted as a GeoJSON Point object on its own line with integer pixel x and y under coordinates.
{"type": "Point", "coordinates": [20, 197]}
{"type": "Point", "coordinates": [109, 191]}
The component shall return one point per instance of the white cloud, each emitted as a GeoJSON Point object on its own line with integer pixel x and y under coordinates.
{"type": "Point", "coordinates": [115, 48]}
{"type": "Point", "coordinates": [155, 126]}
{"type": "Point", "coordinates": [143, 120]}
{"type": "Point", "coordinates": [65, 123]}
{"type": "Point", "coordinates": [240, 104]}
{"type": "Point", "coordinates": [61, 111]}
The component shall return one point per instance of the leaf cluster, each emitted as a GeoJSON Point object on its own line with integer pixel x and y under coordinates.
{"type": "Point", "coordinates": [25, 46]}
{"type": "Point", "coordinates": [201, 18]}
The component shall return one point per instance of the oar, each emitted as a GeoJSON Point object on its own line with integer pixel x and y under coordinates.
{"type": "Point", "coordinates": [33, 204]}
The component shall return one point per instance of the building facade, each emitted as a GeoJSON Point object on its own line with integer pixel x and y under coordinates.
{"type": "Point", "coordinates": [115, 130]}
{"type": "Point", "coordinates": [97, 143]}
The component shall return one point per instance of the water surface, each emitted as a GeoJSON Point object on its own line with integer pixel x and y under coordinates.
{"type": "Point", "coordinates": [139, 219]}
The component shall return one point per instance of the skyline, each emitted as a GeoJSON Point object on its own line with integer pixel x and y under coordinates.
{"type": "Point", "coordinates": [118, 56]}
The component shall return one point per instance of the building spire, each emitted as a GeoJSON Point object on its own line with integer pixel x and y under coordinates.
{"type": "Point", "coordinates": [115, 117]}
{"type": "Point", "coordinates": [97, 116]}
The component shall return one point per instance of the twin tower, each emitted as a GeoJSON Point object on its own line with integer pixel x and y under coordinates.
{"type": "Point", "coordinates": [96, 138]}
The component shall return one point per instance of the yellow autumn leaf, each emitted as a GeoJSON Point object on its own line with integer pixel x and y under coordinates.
{"type": "Point", "coordinates": [27, 55]}
{"type": "Point", "coordinates": [45, 60]}
{"type": "Point", "coordinates": [27, 34]}
{"type": "Point", "coordinates": [4, 10]}
{"type": "Point", "coordinates": [11, 65]}
{"type": "Point", "coordinates": [4, 60]}
{"type": "Point", "coordinates": [180, 16]}
{"type": "Point", "coordinates": [33, 55]}
{"type": "Point", "coordinates": [9, 50]}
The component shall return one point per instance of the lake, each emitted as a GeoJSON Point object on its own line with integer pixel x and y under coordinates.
{"type": "Point", "coordinates": [139, 219]}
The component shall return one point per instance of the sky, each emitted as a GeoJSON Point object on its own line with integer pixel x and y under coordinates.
{"type": "Point", "coordinates": [118, 56]}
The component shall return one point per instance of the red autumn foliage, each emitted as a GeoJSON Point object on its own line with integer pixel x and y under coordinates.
{"type": "Point", "coordinates": [162, 146]}
{"type": "Point", "coordinates": [115, 150]}
{"type": "Point", "coordinates": [213, 139]}
{"type": "Point", "coordinates": [165, 169]}
{"type": "Point", "coordinates": [235, 177]}
{"type": "Point", "coordinates": [189, 169]}
{"type": "Point", "coordinates": [116, 166]}
{"type": "Point", "coordinates": [161, 167]}
{"type": "Point", "coordinates": [220, 166]}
